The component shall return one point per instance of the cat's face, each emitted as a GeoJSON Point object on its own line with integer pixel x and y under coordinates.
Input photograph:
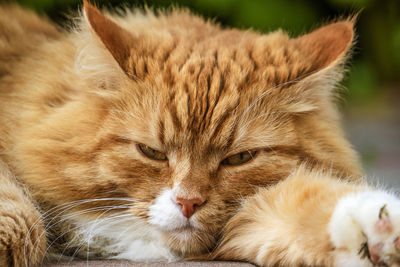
{"type": "Point", "coordinates": [201, 132]}
{"type": "Point", "coordinates": [206, 137]}
{"type": "Point", "coordinates": [200, 119]}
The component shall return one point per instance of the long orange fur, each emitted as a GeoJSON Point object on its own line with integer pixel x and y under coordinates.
{"type": "Point", "coordinates": [73, 105]}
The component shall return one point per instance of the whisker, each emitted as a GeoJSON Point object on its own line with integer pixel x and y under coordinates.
{"type": "Point", "coordinates": [124, 214]}
{"type": "Point", "coordinates": [65, 206]}
{"type": "Point", "coordinates": [91, 230]}
{"type": "Point", "coordinates": [123, 220]}
{"type": "Point", "coordinates": [74, 228]}
{"type": "Point", "coordinates": [126, 230]}
{"type": "Point", "coordinates": [270, 90]}
{"type": "Point", "coordinates": [264, 115]}
{"type": "Point", "coordinates": [69, 207]}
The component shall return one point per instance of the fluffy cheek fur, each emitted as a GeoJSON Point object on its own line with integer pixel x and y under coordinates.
{"type": "Point", "coordinates": [104, 169]}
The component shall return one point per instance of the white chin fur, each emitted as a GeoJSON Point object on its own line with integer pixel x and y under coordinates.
{"type": "Point", "coordinates": [167, 216]}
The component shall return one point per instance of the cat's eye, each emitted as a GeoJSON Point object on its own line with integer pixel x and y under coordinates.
{"type": "Point", "coordinates": [151, 153]}
{"type": "Point", "coordinates": [239, 158]}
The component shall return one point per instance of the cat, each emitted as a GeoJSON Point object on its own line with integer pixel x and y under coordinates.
{"type": "Point", "coordinates": [162, 137]}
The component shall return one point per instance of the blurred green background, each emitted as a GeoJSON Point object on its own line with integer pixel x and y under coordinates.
{"type": "Point", "coordinates": [371, 103]}
{"type": "Point", "coordinates": [375, 68]}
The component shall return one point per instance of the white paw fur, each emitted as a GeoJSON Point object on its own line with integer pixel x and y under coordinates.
{"type": "Point", "coordinates": [365, 229]}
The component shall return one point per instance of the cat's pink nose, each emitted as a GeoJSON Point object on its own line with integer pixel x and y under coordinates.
{"type": "Point", "coordinates": [189, 205]}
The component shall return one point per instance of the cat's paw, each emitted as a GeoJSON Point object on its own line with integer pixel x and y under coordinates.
{"type": "Point", "coordinates": [22, 237]}
{"type": "Point", "coordinates": [365, 230]}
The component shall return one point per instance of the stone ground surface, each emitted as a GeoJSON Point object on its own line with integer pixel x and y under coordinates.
{"type": "Point", "coordinates": [132, 264]}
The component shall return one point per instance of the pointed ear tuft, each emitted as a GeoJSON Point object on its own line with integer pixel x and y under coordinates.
{"type": "Point", "coordinates": [324, 51]}
{"type": "Point", "coordinates": [116, 39]}
{"type": "Point", "coordinates": [327, 45]}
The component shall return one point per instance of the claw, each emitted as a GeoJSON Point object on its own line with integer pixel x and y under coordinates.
{"type": "Point", "coordinates": [364, 252]}
{"type": "Point", "coordinates": [372, 253]}
{"type": "Point", "coordinates": [397, 244]}
{"type": "Point", "coordinates": [383, 212]}
{"type": "Point", "coordinates": [383, 224]}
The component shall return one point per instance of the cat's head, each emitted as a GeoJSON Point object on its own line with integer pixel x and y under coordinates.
{"type": "Point", "coordinates": [187, 119]}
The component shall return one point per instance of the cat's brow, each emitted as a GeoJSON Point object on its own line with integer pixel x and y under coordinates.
{"type": "Point", "coordinates": [270, 90]}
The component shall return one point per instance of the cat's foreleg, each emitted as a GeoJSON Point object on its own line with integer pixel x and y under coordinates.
{"type": "Point", "coordinates": [22, 238]}
{"type": "Point", "coordinates": [314, 219]}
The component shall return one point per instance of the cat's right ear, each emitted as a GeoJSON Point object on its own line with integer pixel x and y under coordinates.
{"type": "Point", "coordinates": [116, 39]}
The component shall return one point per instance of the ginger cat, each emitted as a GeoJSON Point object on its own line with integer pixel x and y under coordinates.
{"type": "Point", "coordinates": [166, 137]}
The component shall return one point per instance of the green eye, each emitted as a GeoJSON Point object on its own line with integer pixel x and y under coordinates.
{"type": "Point", "coordinates": [239, 158]}
{"type": "Point", "coordinates": [152, 153]}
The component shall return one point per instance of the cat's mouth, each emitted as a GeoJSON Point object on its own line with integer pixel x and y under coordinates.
{"type": "Point", "coordinates": [186, 228]}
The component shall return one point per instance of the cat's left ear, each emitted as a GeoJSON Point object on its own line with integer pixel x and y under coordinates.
{"type": "Point", "coordinates": [116, 39]}
{"type": "Point", "coordinates": [327, 45]}
{"type": "Point", "coordinates": [324, 52]}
